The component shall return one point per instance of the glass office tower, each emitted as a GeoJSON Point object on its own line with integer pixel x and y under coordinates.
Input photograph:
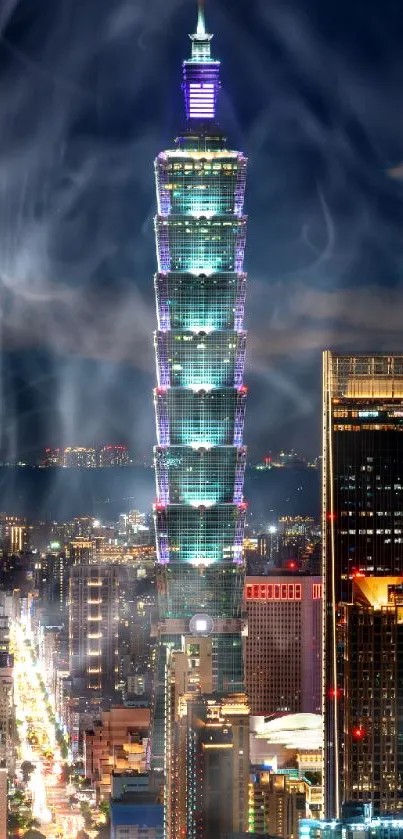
{"type": "Point", "coordinates": [200, 396]}
{"type": "Point", "coordinates": [363, 539]}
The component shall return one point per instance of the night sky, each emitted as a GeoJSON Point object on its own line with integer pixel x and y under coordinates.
{"type": "Point", "coordinates": [89, 93]}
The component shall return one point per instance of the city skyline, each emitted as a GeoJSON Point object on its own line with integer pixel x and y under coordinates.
{"type": "Point", "coordinates": [76, 348]}
{"type": "Point", "coordinates": [194, 666]}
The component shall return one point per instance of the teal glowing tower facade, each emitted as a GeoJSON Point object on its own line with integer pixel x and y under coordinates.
{"type": "Point", "coordinates": [200, 396]}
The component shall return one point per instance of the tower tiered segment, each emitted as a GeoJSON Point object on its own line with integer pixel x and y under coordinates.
{"type": "Point", "coordinates": [200, 397]}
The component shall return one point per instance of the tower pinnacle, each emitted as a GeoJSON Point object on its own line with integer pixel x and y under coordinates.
{"type": "Point", "coordinates": [201, 73]}
{"type": "Point", "coordinates": [201, 25]}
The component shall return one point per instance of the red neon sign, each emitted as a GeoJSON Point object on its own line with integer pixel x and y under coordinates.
{"type": "Point", "coordinates": [273, 591]}
{"type": "Point", "coordinates": [317, 591]}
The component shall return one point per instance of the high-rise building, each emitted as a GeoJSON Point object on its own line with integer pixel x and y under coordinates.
{"type": "Point", "coordinates": [362, 532]}
{"type": "Point", "coordinates": [283, 646]}
{"type": "Point", "coordinates": [202, 728]}
{"type": "Point", "coordinates": [200, 397]}
{"type": "Point", "coordinates": [3, 800]}
{"type": "Point", "coordinates": [58, 586]}
{"type": "Point", "coordinates": [4, 630]}
{"type": "Point", "coordinates": [14, 533]}
{"type": "Point", "coordinates": [277, 803]}
{"type": "Point", "coordinates": [7, 712]}
{"type": "Point", "coordinates": [269, 544]}
{"type": "Point", "coordinates": [189, 673]}
{"type": "Point", "coordinates": [81, 527]}
{"type": "Point", "coordinates": [78, 457]}
{"type": "Point", "coordinates": [113, 456]}
{"type": "Point", "coordinates": [373, 693]}
{"type": "Point", "coordinates": [81, 551]}
{"type": "Point", "coordinates": [93, 627]}
{"type": "Point", "coordinates": [217, 766]}
{"type": "Point", "coordinates": [53, 457]}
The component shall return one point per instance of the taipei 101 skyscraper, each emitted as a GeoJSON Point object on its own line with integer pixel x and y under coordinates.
{"type": "Point", "coordinates": [200, 395]}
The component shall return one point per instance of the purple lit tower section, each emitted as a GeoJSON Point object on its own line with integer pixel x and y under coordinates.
{"type": "Point", "coordinates": [200, 398]}
{"type": "Point", "coordinates": [201, 76]}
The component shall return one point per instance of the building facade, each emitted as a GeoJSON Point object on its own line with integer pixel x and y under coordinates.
{"type": "Point", "coordinates": [116, 742]}
{"type": "Point", "coordinates": [200, 397]}
{"type": "Point", "coordinates": [373, 693]}
{"type": "Point", "coordinates": [3, 800]}
{"type": "Point", "coordinates": [14, 534]}
{"type": "Point", "coordinates": [93, 627]}
{"type": "Point", "coordinates": [362, 528]}
{"type": "Point", "coordinates": [113, 456]}
{"type": "Point", "coordinates": [217, 765]}
{"type": "Point", "coordinates": [277, 803]}
{"type": "Point", "coordinates": [78, 457]}
{"type": "Point", "coordinates": [356, 822]}
{"type": "Point", "coordinates": [283, 646]}
{"type": "Point", "coordinates": [206, 734]}
{"type": "Point", "coordinates": [7, 713]}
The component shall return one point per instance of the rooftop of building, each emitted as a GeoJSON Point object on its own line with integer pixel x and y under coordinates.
{"type": "Point", "coordinates": [137, 809]}
{"type": "Point", "coordinates": [294, 731]}
{"type": "Point", "coordinates": [377, 592]}
{"type": "Point", "coordinates": [248, 836]}
{"type": "Point", "coordinates": [370, 826]}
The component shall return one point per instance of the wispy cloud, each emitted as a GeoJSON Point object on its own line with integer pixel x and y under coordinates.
{"type": "Point", "coordinates": [87, 99]}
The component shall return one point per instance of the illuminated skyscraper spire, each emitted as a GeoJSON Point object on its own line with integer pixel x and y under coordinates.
{"type": "Point", "coordinates": [201, 73]}
{"type": "Point", "coordinates": [201, 24]}
{"type": "Point", "coordinates": [200, 396]}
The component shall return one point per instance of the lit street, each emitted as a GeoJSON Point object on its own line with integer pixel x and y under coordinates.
{"type": "Point", "coordinates": [38, 746]}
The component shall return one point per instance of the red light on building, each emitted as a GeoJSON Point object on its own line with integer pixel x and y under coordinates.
{"type": "Point", "coordinates": [158, 506]}
{"type": "Point", "coordinates": [334, 694]}
{"type": "Point", "coordinates": [291, 565]}
{"type": "Point", "coordinates": [358, 733]}
{"type": "Point", "coordinates": [331, 516]}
